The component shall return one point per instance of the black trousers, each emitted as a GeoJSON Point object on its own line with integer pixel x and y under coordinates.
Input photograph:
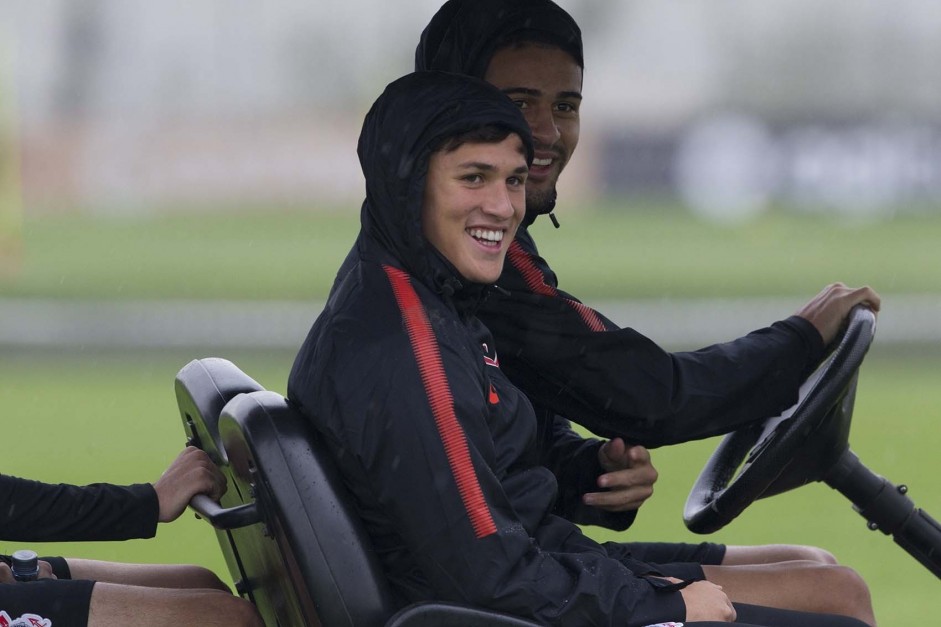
{"type": "Point", "coordinates": [756, 616]}
{"type": "Point", "coordinates": [678, 559]}
{"type": "Point", "coordinates": [55, 602]}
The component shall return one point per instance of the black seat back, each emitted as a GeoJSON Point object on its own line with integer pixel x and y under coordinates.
{"type": "Point", "coordinates": [311, 535]}
{"type": "Point", "coordinates": [309, 543]}
{"type": "Point", "coordinates": [203, 387]}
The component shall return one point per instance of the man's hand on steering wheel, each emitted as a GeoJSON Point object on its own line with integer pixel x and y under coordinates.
{"type": "Point", "coordinates": [827, 310]}
{"type": "Point", "coordinates": [628, 479]}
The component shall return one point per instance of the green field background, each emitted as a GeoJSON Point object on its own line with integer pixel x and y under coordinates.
{"type": "Point", "coordinates": [651, 251]}
{"type": "Point", "coordinates": [82, 416]}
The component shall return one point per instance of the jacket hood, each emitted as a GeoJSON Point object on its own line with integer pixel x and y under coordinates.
{"type": "Point", "coordinates": [413, 115]}
{"type": "Point", "coordinates": [463, 35]}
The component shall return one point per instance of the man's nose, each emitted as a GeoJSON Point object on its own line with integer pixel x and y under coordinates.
{"type": "Point", "coordinates": [499, 203]}
{"type": "Point", "coordinates": [543, 126]}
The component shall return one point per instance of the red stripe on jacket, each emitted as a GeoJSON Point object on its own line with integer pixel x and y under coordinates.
{"type": "Point", "coordinates": [536, 282]}
{"type": "Point", "coordinates": [425, 347]}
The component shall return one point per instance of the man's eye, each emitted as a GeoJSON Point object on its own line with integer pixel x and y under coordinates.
{"type": "Point", "coordinates": [521, 104]}
{"type": "Point", "coordinates": [473, 178]}
{"type": "Point", "coordinates": [516, 181]}
{"type": "Point", "coordinates": [566, 107]}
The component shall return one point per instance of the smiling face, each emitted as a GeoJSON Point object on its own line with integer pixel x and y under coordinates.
{"type": "Point", "coordinates": [474, 200]}
{"type": "Point", "coordinates": [546, 83]}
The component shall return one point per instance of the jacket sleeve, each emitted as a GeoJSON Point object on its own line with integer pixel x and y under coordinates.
{"type": "Point", "coordinates": [574, 462]}
{"type": "Point", "coordinates": [419, 445]}
{"type": "Point", "coordinates": [32, 511]}
{"type": "Point", "coordinates": [616, 382]}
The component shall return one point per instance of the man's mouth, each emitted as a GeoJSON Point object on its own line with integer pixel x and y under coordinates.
{"type": "Point", "coordinates": [488, 237]}
{"type": "Point", "coordinates": [542, 163]}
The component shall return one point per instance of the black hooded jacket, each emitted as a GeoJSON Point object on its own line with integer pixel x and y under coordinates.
{"type": "Point", "coordinates": [434, 442]}
{"type": "Point", "coordinates": [568, 358]}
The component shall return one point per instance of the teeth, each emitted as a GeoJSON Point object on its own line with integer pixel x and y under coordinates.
{"type": "Point", "coordinates": [490, 236]}
{"type": "Point", "coordinates": [537, 161]}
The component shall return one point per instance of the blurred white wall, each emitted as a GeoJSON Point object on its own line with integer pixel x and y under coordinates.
{"type": "Point", "coordinates": [134, 105]}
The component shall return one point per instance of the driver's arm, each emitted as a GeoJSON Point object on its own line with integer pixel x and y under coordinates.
{"type": "Point", "coordinates": [617, 382]}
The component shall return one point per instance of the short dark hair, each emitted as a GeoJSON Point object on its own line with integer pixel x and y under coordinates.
{"type": "Point", "coordinates": [487, 134]}
{"type": "Point", "coordinates": [519, 38]}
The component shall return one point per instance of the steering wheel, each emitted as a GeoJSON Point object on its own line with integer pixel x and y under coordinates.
{"type": "Point", "coordinates": [789, 450]}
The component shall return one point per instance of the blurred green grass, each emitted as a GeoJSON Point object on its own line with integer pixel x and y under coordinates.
{"type": "Point", "coordinates": [647, 250]}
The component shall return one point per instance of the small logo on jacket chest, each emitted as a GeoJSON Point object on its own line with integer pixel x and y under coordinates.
{"type": "Point", "coordinates": [490, 356]}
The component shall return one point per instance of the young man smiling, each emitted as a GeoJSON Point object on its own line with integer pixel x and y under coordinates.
{"type": "Point", "coordinates": [474, 201]}
{"type": "Point", "coordinates": [571, 361]}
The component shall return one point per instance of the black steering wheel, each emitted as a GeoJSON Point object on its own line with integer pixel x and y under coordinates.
{"type": "Point", "coordinates": [789, 450]}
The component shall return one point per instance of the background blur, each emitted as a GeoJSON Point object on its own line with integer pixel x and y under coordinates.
{"type": "Point", "coordinates": [132, 106]}
{"type": "Point", "coordinates": [179, 179]}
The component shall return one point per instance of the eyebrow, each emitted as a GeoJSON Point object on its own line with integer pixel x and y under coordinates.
{"type": "Point", "coordinates": [528, 91]}
{"type": "Point", "coordinates": [489, 167]}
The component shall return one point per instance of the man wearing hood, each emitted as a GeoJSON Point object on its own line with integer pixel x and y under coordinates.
{"type": "Point", "coordinates": [435, 444]}
{"type": "Point", "coordinates": [572, 361]}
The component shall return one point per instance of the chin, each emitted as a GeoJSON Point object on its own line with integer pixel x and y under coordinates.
{"type": "Point", "coordinates": [539, 200]}
{"type": "Point", "coordinates": [483, 277]}
{"type": "Point", "coordinates": [485, 280]}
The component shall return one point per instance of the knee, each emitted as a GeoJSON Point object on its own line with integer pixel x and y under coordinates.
{"type": "Point", "coordinates": [817, 554]}
{"type": "Point", "coordinates": [854, 585]}
{"type": "Point", "coordinates": [197, 577]}
{"type": "Point", "coordinates": [809, 554]}
{"type": "Point", "coordinates": [241, 613]}
{"type": "Point", "coordinates": [850, 591]}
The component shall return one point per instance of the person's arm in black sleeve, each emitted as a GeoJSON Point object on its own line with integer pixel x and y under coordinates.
{"type": "Point", "coordinates": [574, 462]}
{"type": "Point", "coordinates": [617, 382]}
{"type": "Point", "coordinates": [32, 511]}
{"type": "Point", "coordinates": [620, 383]}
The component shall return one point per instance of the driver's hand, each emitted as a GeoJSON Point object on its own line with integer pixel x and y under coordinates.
{"type": "Point", "coordinates": [628, 480]}
{"type": "Point", "coordinates": [45, 572]}
{"type": "Point", "coordinates": [827, 310]}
